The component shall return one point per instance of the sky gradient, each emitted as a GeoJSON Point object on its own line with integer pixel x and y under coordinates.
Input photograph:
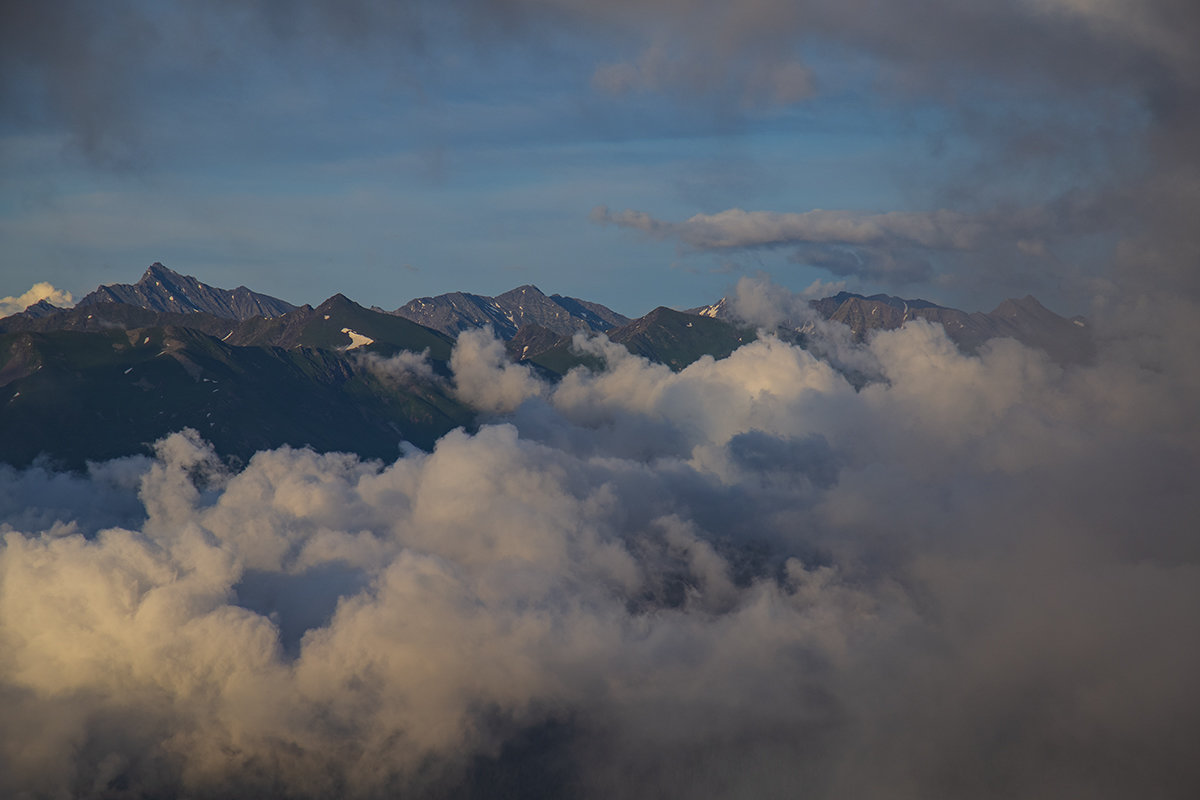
{"type": "Point", "coordinates": [967, 152]}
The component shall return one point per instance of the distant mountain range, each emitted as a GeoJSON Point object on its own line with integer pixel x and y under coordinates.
{"type": "Point", "coordinates": [1026, 320]}
{"type": "Point", "coordinates": [133, 362]}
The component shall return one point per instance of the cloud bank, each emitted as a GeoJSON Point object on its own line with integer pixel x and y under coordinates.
{"type": "Point", "coordinates": [975, 576]}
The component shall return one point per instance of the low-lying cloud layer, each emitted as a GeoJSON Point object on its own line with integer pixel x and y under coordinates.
{"type": "Point", "coordinates": [974, 577]}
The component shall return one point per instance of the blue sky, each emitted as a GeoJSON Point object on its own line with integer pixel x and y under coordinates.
{"type": "Point", "coordinates": [393, 150]}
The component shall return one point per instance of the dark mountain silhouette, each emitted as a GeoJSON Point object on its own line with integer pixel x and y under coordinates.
{"type": "Point", "coordinates": [507, 313]}
{"type": "Point", "coordinates": [133, 363]}
{"type": "Point", "coordinates": [161, 289]}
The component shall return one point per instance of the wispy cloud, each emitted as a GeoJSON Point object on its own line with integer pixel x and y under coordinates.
{"type": "Point", "coordinates": [893, 247]}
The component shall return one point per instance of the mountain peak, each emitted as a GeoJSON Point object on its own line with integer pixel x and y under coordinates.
{"type": "Point", "coordinates": [164, 290]}
{"type": "Point", "coordinates": [338, 300]}
{"type": "Point", "coordinates": [1025, 306]}
{"type": "Point", "coordinates": [158, 268]}
{"type": "Point", "coordinates": [158, 275]}
{"type": "Point", "coordinates": [42, 308]}
{"type": "Point", "coordinates": [522, 291]}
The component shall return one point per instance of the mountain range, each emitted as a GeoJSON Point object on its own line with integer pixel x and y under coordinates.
{"type": "Point", "coordinates": [509, 312]}
{"type": "Point", "coordinates": [1024, 319]}
{"type": "Point", "coordinates": [133, 362]}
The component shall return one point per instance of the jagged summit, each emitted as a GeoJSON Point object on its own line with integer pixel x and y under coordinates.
{"type": "Point", "coordinates": [509, 312]}
{"type": "Point", "coordinates": [338, 300]}
{"type": "Point", "coordinates": [525, 289]}
{"type": "Point", "coordinates": [164, 290]}
{"type": "Point", "coordinates": [157, 271]}
{"type": "Point", "coordinates": [42, 308]}
{"type": "Point", "coordinates": [1026, 307]}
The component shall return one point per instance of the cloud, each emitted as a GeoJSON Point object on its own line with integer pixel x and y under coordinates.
{"type": "Point", "coordinates": [1060, 101]}
{"type": "Point", "coordinates": [745, 577]}
{"type": "Point", "coordinates": [894, 247]}
{"type": "Point", "coordinates": [93, 73]}
{"type": "Point", "coordinates": [736, 228]}
{"type": "Point", "coordinates": [760, 83]}
{"type": "Point", "coordinates": [40, 499]}
{"type": "Point", "coordinates": [37, 293]}
{"type": "Point", "coordinates": [403, 367]}
{"type": "Point", "coordinates": [1161, 28]}
{"type": "Point", "coordinates": [485, 378]}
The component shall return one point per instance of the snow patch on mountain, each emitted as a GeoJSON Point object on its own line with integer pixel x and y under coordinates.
{"type": "Point", "coordinates": [356, 339]}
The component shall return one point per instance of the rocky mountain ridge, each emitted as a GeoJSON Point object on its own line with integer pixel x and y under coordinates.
{"type": "Point", "coordinates": [507, 313]}
{"type": "Point", "coordinates": [244, 317]}
{"type": "Point", "coordinates": [162, 289]}
{"type": "Point", "coordinates": [1066, 340]}
{"type": "Point", "coordinates": [107, 377]}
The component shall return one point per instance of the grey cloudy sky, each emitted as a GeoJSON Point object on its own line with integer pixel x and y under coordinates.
{"type": "Point", "coordinates": [390, 150]}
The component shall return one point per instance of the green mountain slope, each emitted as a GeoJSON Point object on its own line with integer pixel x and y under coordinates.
{"type": "Point", "coordinates": [86, 396]}
{"type": "Point", "coordinates": [678, 339]}
{"type": "Point", "coordinates": [674, 338]}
